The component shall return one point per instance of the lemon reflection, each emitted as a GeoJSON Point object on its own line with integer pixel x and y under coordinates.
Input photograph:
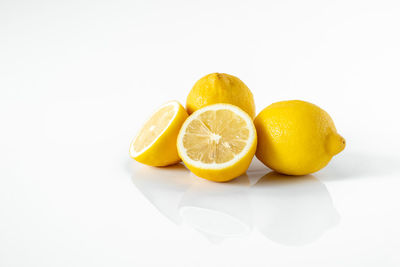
{"type": "Point", "coordinates": [287, 210]}
{"type": "Point", "coordinates": [292, 210]}
{"type": "Point", "coordinates": [163, 187]}
{"type": "Point", "coordinates": [218, 210]}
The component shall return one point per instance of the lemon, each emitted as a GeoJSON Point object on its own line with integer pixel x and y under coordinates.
{"type": "Point", "coordinates": [218, 142]}
{"type": "Point", "coordinates": [296, 137]}
{"type": "Point", "coordinates": [220, 88]}
{"type": "Point", "coordinates": [155, 144]}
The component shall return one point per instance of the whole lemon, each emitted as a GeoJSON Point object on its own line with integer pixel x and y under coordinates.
{"type": "Point", "coordinates": [217, 88]}
{"type": "Point", "coordinates": [296, 137]}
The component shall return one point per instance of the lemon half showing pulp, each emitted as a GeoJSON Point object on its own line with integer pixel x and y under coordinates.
{"type": "Point", "coordinates": [217, 142]}
{"type": "Point", "coordinates": [155, 144]}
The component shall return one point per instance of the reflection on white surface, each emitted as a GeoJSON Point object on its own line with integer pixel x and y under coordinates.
{"type": "Point", "coordinates": [163, 187]}
{"type": "Point", "coordinates": [291, 211]}
{"type": "Point", "coordinates": [218, 211]}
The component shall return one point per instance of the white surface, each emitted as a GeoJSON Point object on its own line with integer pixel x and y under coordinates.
{"type": "Point", "coordinates": [77, 78]}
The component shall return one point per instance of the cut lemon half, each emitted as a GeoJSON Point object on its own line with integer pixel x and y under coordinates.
{"type": "Point", "coordinates": [217, 142]}
{"type": "Point", "coordinates": [155, 144]}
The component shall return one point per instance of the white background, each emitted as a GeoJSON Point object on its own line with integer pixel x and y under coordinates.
{"type": "Point", "coordinates": [78, 78]}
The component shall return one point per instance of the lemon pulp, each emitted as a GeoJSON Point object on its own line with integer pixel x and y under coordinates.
{"type": "Point", "coordinates": [212, 140]}
{"type": "Point", "coordinates": [153, 127]}
{"type": "Point", "coordinates": [155, 144]}
{"type": "Point", "coordinates": [217, 142]}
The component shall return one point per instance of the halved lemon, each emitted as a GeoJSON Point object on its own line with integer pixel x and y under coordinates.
{"type": "Point", "coordinates": [155, 144]}
{"type": "Point", "coordinates": [217, 142]}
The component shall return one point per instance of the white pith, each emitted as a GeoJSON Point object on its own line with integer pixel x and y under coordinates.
{"type": "Point", "coordinates": [132, 150]}
{"type": "Point", "coordinates": [195, 115]}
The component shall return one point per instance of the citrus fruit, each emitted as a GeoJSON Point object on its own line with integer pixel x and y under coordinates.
{"type": "Point", "coordinates": [296, 137]}
{"type": "Point", "coordinates": [155, 144]}
{"type": "Point", "coordinates": [217, 142]}
{"type": "Point", "coordinates": [220, 88]}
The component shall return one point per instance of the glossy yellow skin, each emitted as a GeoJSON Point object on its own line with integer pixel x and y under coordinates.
{"type": "Point", "coordinates": [296, 137]}
{"type": "Point", "coordinates": [163, 151]}
{"type": "Point", "coordinates": [217, 88]}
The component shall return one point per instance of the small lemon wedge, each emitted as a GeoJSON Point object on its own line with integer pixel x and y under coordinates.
{"type": "Point", "coordinates": [155, 144]}
{"type": "Point", "coordinates": [217, 142]}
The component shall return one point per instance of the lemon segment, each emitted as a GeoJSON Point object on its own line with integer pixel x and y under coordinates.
{"type": "Point", "coordinates": [155, 144]}
{"type": "Point", "coordinates": [217, 142]}
{"type": "Point", "coordinates": [220, 88]}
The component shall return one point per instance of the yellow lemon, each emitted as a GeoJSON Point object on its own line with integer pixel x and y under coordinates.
{"type": "Point", "coordinates": [218, 142]}
{"type": "Point", "coordinates": [155, 144]}
{"type": "Point", "coordinates": [296, 137]}
{"type": "Point", "coordinates": [220, 88]}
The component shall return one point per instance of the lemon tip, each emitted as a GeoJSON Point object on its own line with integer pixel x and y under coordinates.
{"type": "Point", "coordinates": [335, 144]}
